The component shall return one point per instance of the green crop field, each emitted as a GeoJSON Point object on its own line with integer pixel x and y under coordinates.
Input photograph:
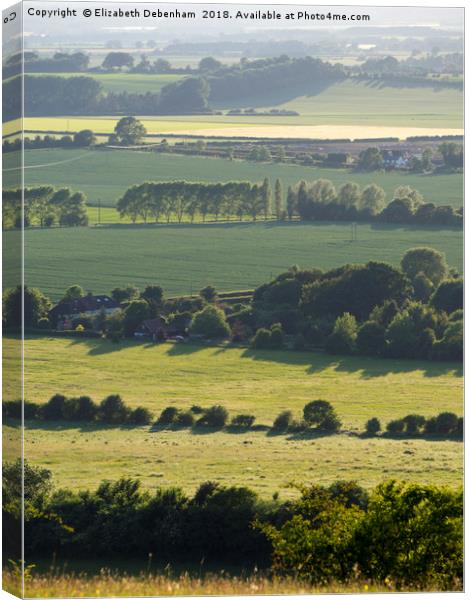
{"type": "Point", "coordinates": [133, 83]}
{"type": "Point", "coordinates": [184, 258]}
{"type": "Point", "coordinates": [261, 383]}
{"type": "Point", "coordinates": [105, 175]}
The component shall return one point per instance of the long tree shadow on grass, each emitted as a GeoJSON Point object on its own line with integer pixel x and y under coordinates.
{"type": "Point", "coordinates": [366, 367]}
{"type": "Point", "coordinates": [82, 426]}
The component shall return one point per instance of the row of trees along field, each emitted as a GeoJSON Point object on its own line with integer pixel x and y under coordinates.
{"type": "Point", "coordinates": [404, 533]}
{"type": "Point", "coordinates": [315, 201]}
{"type": "Point", "coordinates": [45, 206]}
{"type": "Point", "coordinates": [375, 309]}
{"type": "Point", "coordinates": [181, 198]}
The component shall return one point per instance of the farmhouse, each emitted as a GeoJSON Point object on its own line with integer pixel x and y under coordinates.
{"type": "Point", "coordinates": [158, 330]}
{"type": "Point", "coordinates": [88, 306]}
{"type": "Point", "coordinates": [395, 159]}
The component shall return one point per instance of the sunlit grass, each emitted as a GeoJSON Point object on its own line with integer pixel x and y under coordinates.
{"type": "Point", "coordinates": [110, 584]}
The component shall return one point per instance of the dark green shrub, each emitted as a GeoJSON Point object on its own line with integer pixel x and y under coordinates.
{"type": "Point", "coordinates": [460, 427]}
{"type": "Point", "coordinates": [44, 323]}
{"type": "Point", "coordinates": [167, 416]}
{"type": "Point", "coordinates": [373, 426]}
{"type": "Point", "coordinates": [413, 423]}
{"type": "Point", "coordinates": [196, 409]}
{"type": "Point", "coordinates": [283, 421]}
{"type": "Point", "coordinates": [243, 421]}
{"type": "Point", "coordinates": [112, 410]}
{"type": "Point", "coordinates": [86, 409]}
{"type": "Point", "coordinates": [277, 337]}
{"type": "Point", "coordinates": [396, 426]}
{"type": "Point", "coordinates": [430, 425]}
{"type": "Point", "coordinates": [69, 410]}
{"type": "Point", "coordinates": [330, 423]}
{"type": "Point", "coordinates": [299, 342]}
{"type": "Point", "coordinates": [371, 339]}
{"type": "Point", "coordinates": [12, 409]}
{"type": "Point", "coordinates": [297, 426]}
{"type": "Point", "coordinates": [31, 410]}
{"type": "Point", "coordinates": [140, 416]}
{"type": "Point", "coordinates": [321, 414]}
{"type": "Point", "coordinates": [215, 416]}
{"type": "Point", "coordinates": [184, 419]}
{"type": "Point", "coordinates": [53, 409]}
{"type": "Point", "coordinates": [262, 339]}
{"type": "Point", "coordinates": [446, 422]}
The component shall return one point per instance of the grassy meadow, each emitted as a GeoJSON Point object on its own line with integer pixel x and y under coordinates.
{"type": "Point", "coordinates": [262, 383]}
{"type": "Point", "coordinates": [105, 175]}
{"type": "Point", "coordinates": [184, 258]}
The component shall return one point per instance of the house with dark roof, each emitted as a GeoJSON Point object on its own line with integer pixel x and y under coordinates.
{"type": "Point", "coordinates": [89, 306]}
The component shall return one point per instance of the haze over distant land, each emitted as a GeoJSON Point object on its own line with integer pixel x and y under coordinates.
{"type": "Point", "coordinates": [85, 30]}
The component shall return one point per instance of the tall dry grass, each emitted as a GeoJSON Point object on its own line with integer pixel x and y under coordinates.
{"type": "Point", "coordinates": [108, 583]}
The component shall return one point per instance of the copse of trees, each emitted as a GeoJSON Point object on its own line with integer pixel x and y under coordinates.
{"type": "Point", "coordinates": [320, 201]}
{"type": "Point", "coordinates": [271, 74]}
{"type": "Point", "coordinates": [373, 309]}
{"type": "Point", "coordinates": [45, 205]}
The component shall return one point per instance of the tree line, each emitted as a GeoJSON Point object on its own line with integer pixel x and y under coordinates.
{"type": "Point", "coordinates": [407, 533]}
{"type": "Point", "coordinates": [313, 201]}
{"type": "Point", "coordinates": [157, 200]}
{"type": "Point", "coordinates": [44, 205]}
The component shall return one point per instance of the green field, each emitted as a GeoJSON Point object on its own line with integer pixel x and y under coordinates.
{"type": "Point", "coordinates": [184, 258]}
{"type": "Point", "coordinates": [258, 382]}
{"type": "Point", "coordinates": [105, 175]}
{"type": "Point", "coordinates": [349, 102]}
{"type": "Point", "coordinates": [352, 103]}
{"type": "Point", "coordinates": [133, 83]}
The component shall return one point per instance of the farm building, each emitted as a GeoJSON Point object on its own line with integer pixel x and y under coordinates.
{"type": "Point", "coordinates": [395, 159]}
{"type": "Point", "coordinates": [88, 306]}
